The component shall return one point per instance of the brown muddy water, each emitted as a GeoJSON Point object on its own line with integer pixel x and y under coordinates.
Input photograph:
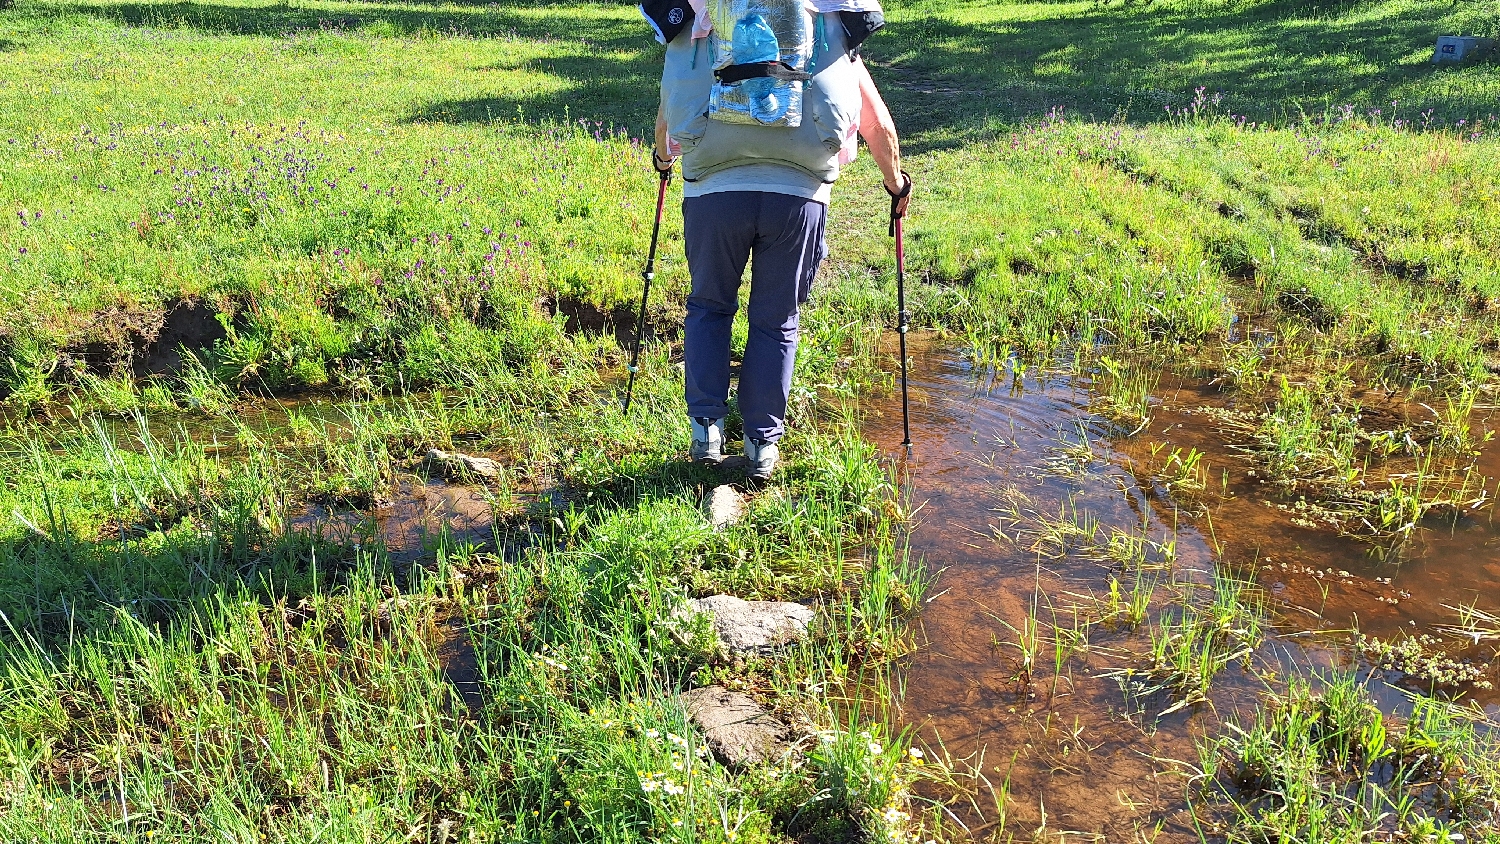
{"type": "Point", "coordinates": [1004, 471]}
{"type": "Point", "coordinates": [420, 512]}
{"type": "Point", "coordinates": [420, 516]}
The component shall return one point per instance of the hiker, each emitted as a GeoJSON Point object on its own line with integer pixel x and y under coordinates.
{"type": "Point", "coordinates": [762, 101]}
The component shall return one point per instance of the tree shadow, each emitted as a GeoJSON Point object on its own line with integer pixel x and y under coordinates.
{"type": "Point", "coordinates": [948, 81]}
{"type": "Point", "coordinates": [599, 89]}
{"type": "Point", "coordinates": [609, 68]}
{"type": "Point", "coordinates": [514, 19]}
{"type": "Point", "coordinates": [57, 587]}
{"type": "Point", "coordinates": [945, 79]}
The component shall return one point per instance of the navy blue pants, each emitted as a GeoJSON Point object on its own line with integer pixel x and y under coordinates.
{"type": "Point", "coordinates": [722, 231]}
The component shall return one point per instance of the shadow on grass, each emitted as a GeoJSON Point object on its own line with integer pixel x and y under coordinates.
{"type": "Point", "coordinates": [595, 89]}
{"type": "Point", "coordinates": [608, 65]}
{"type": "Point", "coordinates": [948, 78]}
{"type": "Point", "coordinates": [1270, 60]}
{"type": "Point", "coordinates": [509, 19]}
{"type": "Point", "coordinates": [57, 587]}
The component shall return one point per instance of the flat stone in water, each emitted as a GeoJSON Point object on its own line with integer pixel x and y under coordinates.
{"type": "Point", "coordinates": [725, 506]}
{"type": "Point", "coordinates": [452, 464]}
{"type": "Point", "coordinates": [738, 731]}
{"type": "Point", "coordinates": [750, 627]}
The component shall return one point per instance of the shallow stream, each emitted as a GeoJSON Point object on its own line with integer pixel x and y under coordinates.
{"type": "Point", "coordinates": [1023, 494]}
{"type": "Point", "coordinates": [1008, 475]}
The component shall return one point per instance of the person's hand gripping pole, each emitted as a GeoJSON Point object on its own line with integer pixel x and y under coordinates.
{"type": "Point", "coordinates": [664, 174]}
{"type": "Point", "coordinates": [899, 202]}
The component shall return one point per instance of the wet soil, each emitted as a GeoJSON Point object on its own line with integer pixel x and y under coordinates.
{"type": "Point", "coordinates": [143, 340]}
{"type": "Point", "coordinates": [460, 664]}
{"type": "Point", "coordinates": [419, 516]}
{"type": "Point", "coordinates": [1000, 458]}
{"type": "Point", "coordinates": [187, 326]}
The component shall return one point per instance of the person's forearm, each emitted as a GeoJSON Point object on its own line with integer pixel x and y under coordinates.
{"type": "Point", "coordinates": [879, 131]}
{"type": "Point", "coordinates": [662, 146]}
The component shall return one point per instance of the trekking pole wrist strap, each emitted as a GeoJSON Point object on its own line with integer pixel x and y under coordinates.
{"type": "Point", "coordinates": [905, 188]}
{"type": "Point", "coordinates": [896, 199]}
{"type": "Point", "coordinates": [663, 166]}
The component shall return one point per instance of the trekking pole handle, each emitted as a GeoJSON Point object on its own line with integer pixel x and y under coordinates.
{"type": "Point", "coordinates": [664, 173]}
{"type": "Point", "coordinates": [897, 212]}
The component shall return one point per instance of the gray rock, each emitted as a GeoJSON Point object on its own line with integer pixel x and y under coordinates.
{"type": "Point", "coordinates": [454, 463]}
{"type": "Point", "coordinates": [725, 506]}
{"type": "Point", "coordinates": [738, 731]}
{"type": "Point", "coordinates": [751, 627]}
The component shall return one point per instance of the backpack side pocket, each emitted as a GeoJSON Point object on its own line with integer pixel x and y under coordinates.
{"type": "Point", "coordinates": [835, 99]}
{"type": "Point", "coordinates": [686, 81]}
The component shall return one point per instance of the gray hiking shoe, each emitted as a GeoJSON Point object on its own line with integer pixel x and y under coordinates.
{"type": "Point", "coordinates": [708, 440]}
{"type": "Point", "coordinates": [762, 456]}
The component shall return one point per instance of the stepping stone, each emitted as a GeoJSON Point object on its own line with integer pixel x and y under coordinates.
{"type": "Point", "coordinates": [751, 627]}
{"type": "Point", "coordinates": [454, 463]}
{"type": "Point", "coordinates": [738, 731]}
{"type": "Point", "coordinates": [725, 507]}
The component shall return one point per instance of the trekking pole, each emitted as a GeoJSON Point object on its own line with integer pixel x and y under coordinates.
{"type": "Point", "coordinates": [646, 276]}
{"type": "Point", "coordinates": [902, 317]}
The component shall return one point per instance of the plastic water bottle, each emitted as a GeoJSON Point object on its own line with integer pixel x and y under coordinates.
{"type": "Point", "coordinates": [754, 42]}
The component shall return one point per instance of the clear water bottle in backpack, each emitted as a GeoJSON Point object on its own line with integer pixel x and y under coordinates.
{"type": "Point", "coordinates": [755, 42]}
{"type": "Point", "coordinates": [748, 33]}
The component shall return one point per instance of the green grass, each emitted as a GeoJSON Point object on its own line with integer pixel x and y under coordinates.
{"type": "Point", "coordinates": [974, 67]}
{"type": "Point", "coordinates": [181, 663]}
{"type": "Point", "coordinates": [1319, 762]}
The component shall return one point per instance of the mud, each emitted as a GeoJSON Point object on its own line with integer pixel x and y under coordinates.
{"type": "Point", "coordinates": [460, 664]}
{"type": "Point", "coordinates": [585, 317]}
{"type": "Point", "coordinates": [187, 325]}
{"type": "Point", "coordinates": [420, 518]}
{"type": "Point", "coordinates": [997, 459]}
{"type": "Point", "coordinates": [143, 341]}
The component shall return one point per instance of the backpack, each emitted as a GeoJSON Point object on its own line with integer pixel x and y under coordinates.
{"type": "Point", "coordinates": [774, 82]}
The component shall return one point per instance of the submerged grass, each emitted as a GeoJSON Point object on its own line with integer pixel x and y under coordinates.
{"type": "Point", "coordinates": [1319, 762]}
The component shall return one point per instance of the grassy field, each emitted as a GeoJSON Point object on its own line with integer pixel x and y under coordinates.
{"type": "Point", "coordinates": [434, 214]}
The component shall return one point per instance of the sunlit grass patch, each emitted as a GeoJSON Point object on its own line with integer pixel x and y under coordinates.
{"type": "Point", "coordinates": [1319, 762]}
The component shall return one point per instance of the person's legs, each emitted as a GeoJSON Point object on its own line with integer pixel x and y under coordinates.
{"type": "Point", "coordinates": [788, 249]}
{"type": "Point", "coordinates": [719, 231]}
